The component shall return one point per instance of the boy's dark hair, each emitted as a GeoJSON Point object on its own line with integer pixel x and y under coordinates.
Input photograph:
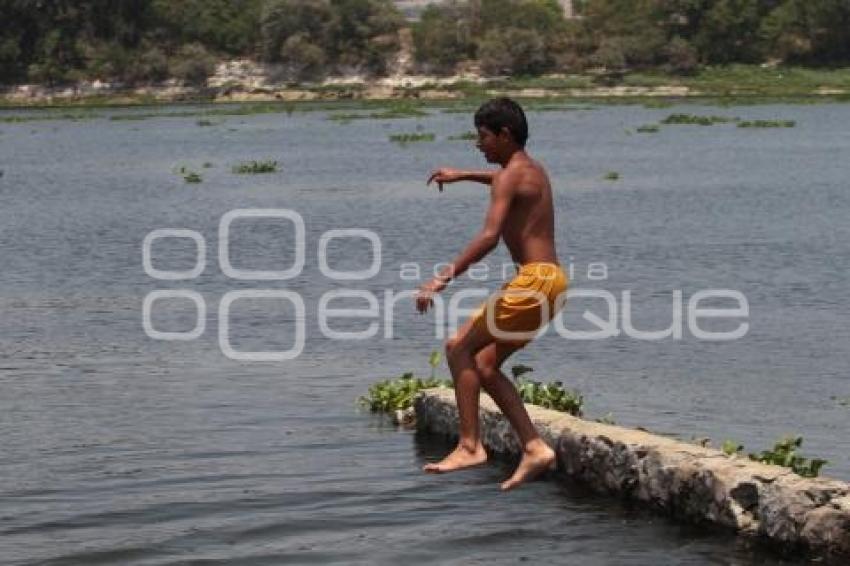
{"type": "Point", "coordinates": [503, 113]}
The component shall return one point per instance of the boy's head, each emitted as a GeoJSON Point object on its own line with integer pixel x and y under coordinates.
{"type": "Point", "coordinates": [503, 114]}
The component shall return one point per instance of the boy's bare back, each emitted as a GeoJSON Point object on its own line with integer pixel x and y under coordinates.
{"type": "Point", "coordinates": [529, 229]}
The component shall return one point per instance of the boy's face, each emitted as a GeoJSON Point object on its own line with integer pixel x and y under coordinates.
{"type": "Point", "coordinates": [492, 145]}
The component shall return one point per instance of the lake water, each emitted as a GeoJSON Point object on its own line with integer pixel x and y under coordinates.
{"type": "Point", "coordinates": [118, 448]}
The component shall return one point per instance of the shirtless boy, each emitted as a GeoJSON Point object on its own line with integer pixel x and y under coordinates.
{"type": "Point", "coordinates": [521, 212]}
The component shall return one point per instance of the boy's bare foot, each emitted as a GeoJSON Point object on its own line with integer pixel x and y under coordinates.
{"type": "Point", "coordinates": [535, 461]}
{"type": "Point", "coordinates": [459, 459]}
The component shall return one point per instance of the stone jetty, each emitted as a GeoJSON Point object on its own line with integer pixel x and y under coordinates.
{"type": "Point", "coordinates": [687, 481]}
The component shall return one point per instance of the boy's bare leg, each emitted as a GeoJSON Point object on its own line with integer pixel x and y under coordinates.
{"type": "Point", "coordinates": [537, 456]}
{"type": "Point", "coordinates": [474, 360]}
{"type": "Point", "coordinates": [460, 352]}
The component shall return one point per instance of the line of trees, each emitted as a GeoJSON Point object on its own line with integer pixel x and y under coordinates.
{"type": "Point", "coordinates": [531, 36]}
{"type": "Point", "coordinates": [56, 41]}
{"type": "Point", "coordinates": [136, 41]}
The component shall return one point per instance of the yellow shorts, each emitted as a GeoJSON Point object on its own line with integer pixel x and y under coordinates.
{"type": "Point", "coordinates": [524, 305]}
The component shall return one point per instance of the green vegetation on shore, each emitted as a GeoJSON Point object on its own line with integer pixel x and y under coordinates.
{"type": "Point", "coordinates": [515, 37]}
{"type": "Point", "coordinates": [700, 43]}
{"type": "Point", "coordinates": [347, 103]}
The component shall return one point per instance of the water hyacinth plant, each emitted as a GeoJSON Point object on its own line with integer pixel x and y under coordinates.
{"type": "Point", "coordinates": [691, 119]}
{"type": "Point", "coordinates": [466, 136]}
{"type": "Point", "coordinates": [399, 110]}
{"type": "Point", "coordinates": [391, 395]}
{"type": "Point", "coordinates": [730, 447]}
{"type": "Point", "coordinates": [612, 176]}
{"type": "Point", "coordinates": [648, 129]}
{"type": "Point", "coordinates": [550, 396]}
{"type": "Point", "coordinates": [404, 139]}
{"type": "Point", "coordinates": [547, 395]}
{"type": "Point", "coordinates": [767, 124]}
{"type": "Point", "coordinates": [255, 167]}
{"type": "Point", "coordinates": [392, 112]}
{"type": "Point", "coordinates": [397, 394]}
{"type": "Point", "coordinates": [434, 361]}
{"type": "Point", "coordinates": [188, 175]}
{"type": "Point", "coordinates": [784, 453]}
{"type": "Point", "coordinates": [843, 401]}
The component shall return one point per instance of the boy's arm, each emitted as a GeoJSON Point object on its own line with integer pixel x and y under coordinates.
{"type": "Point", "coordinates": [502, 194]}
{"type": "Point", "coordinates": [449, 175]}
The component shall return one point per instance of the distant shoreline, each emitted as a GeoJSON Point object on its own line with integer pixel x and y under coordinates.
{"type": "Point", "coordinates": [739, 82]}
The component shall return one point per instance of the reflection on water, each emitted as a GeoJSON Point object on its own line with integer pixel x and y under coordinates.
{"type": "Point", "coordinates": [122, 449]}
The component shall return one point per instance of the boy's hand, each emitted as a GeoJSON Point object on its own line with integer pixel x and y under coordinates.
{"type": "Point", "coordinates": [445, 175]}
{"type": "Point", "coordinates": [425, 296]}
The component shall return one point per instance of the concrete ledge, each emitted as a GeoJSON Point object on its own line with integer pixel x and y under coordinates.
{"type": "Point", "coordinates": [685, 480]}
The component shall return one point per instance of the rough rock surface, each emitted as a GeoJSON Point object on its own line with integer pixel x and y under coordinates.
{"type": "Point", "coordinates": [688, 481]}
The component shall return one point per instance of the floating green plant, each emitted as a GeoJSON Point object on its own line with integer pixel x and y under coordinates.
{"type": "Point", "coordinates": [434, 361]}
{"type": "Point", "coordinates": [208, 165]}
{"type": "Point", "coordinates": [133, 117]}
{"type": "Point", "coordinates": [553, 108]}
{"type": "Point", "coordinates": [648, 129]}
{"type": "Point", "coordinates": [459, 110]}
{"type": "Point", "coordinates": [612, 176]}
{"type": "Point", "coordinates": [466, 136]}
{"type": "Point", "coordinates": [188, 174]}
{"type": "Point", "coordinates": [784, 453]}
{"type": "Point", "coordinates": [72, 116]}
{"type": "Point", "coordinates": [730, 447]}
{"type": "Point", "coordinates": [399, 110]}
{"type": "Point", "coordinates": [767, 124]}
{"type": "Point", "coordinates": [843, 401]}
{"type": "Point", "coordinates": [397, 394]}
{"type": "Point", "coordinates": [412, 138]}
{"type": "Point", "coordinates": [255, 167]}
{"type": "Point", "coordinates": [657, 103]}
{"type": "Point", "coordinates": [692, 119]}
{"type": "Point", "coordinates": [346, 117]}
{"type": "Point", "coordinates": [395, 111]}
{"type": "Point", "coordinates": [205, 113]}
{"type": "Point", "coordinates": [203, 123]}
{"type": "Point", "coordinates": [548, 395]}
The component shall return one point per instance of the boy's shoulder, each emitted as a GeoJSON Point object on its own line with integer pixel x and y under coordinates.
{"type": "Point", "coordinates": [526, 170]}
